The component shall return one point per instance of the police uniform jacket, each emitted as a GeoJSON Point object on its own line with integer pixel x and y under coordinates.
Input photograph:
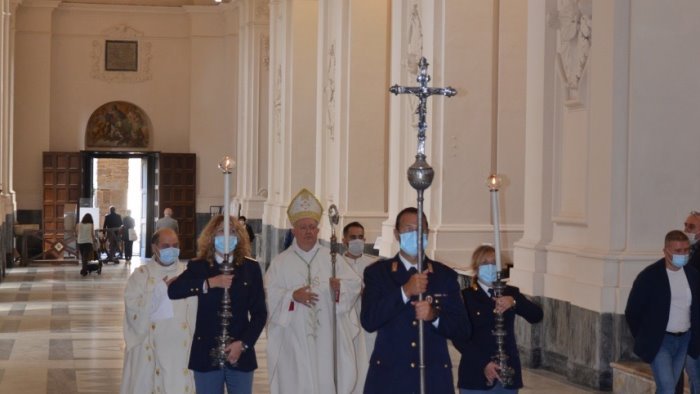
{"type": "Point", "coordinates": [649, 305]}
{"type": "Point", "coordinates": [247, 306]}
{"type": "Point", "coordinates": [479, 350]}
{"type": "Point", "coordinates": [394, 364]}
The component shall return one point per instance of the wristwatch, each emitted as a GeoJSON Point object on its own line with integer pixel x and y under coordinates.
{"type": "Point", "coordinates": [244, 347]}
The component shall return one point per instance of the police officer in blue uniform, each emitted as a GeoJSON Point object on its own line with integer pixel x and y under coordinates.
{"type": "Point", "coordinates": [478, 373]}
{"type": "Point", "coordinates": [203, 279]}
{"type": "Point", "coordinates": [390, 307]}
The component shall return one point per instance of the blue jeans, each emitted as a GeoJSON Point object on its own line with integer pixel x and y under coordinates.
{"type": "Point", "coordinates": [668, 363]}
{"type": "Point", "coordinates": [496, 389]}
{"type": "Point", "coordinates": [237, 382]}
{"type": "Point", "coordinates": [692, 368]}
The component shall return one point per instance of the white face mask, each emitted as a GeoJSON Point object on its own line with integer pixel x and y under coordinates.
{"type": "Point", "coordinates": [356, 247]}
{"type": "Point", "coordinates": [691, 238]}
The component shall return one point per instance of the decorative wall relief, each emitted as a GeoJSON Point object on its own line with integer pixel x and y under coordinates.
{"type": "Point", "coordinates": [118, 124]}
{"type": "Point", "coordinates": [265, 51]}
{"type": "Point", "coordinates": [277, 105]}
{"type": "Point", "coordinates": [572, 20]}
{"type": "Point", "coordinates": [414, 47]}
{"type": "Point", "coordinates": [329, 91]}
{"type": "Point", "coordinates": [121, 34]}
{"type": "Point", "coordinates": [262, 11]}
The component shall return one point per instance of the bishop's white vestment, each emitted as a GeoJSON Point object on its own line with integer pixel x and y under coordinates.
{"type": "Point", "coordinates": [300, 338]}
{"type": "Point", "coordinates": [364, 342]}
{"type": "Point", "coordinates": [157, 333]}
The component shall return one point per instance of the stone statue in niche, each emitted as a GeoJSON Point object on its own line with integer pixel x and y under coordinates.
{"type": "Point", "coordinates": [118, 124]}
{"type": "Point", "coordinates": [572, 20]}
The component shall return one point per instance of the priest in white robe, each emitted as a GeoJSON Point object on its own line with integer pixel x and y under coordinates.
{"type": "Point", "coordinates": [157, 330]}
{"type": "Point", "coordinates": [300, 305]}
{"type": "Point", "coordinates": [354, 256]}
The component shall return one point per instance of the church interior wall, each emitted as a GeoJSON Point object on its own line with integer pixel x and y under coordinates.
{"type": "Point", "coordinates": [189, 95]}
{"type": "Point", "coordinates": [594, 176]}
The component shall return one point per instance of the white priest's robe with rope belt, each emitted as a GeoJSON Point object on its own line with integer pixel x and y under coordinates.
{"type": "Point", "coordinates": [300, 338]}
{"type": "Point", "coordinates": [364, 342]}
{"type": "Point", "coordinates": [157, 333]}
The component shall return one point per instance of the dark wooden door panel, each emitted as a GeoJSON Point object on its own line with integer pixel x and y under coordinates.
{"type": "Point", "coordinates": [176, 189]}
{"type": "Point", "coordinates": [62, 182]}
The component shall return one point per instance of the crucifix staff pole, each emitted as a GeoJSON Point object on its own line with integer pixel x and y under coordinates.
{"type": "Point", "coordinates": [420, 175]}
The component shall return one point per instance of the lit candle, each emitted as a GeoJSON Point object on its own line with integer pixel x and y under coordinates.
{"type": "Point", "coordinates": [226, 165]}
{"type": "Point", "coordinates": [494, 183]}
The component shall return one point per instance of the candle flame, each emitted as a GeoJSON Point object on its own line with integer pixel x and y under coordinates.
{"type": "Point", "coordinates": [493, 182]}
{"type": "Point", "coordinates": [227, 164]}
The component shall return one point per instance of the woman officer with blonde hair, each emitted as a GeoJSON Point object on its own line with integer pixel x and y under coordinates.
{"type": "Point", "coordinates": [477, 371]}
{"type": "Point", "coordinates": [204, 279]}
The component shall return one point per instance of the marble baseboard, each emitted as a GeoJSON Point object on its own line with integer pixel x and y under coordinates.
{"type": "Point", "coordinates": [575, 342]}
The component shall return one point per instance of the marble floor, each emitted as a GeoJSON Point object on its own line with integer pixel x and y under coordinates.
{"type": "Point", "coordinates": [62, 333]}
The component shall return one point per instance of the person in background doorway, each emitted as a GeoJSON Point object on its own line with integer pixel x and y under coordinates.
{"type": "Point", "coordinates": [167, 221]}
{"type": "Point", "coordinates": [113, 224]}
{"type": "Point", "coordinates": [86, 240]}
{"type": "Point", "coordinates": [128, 235]}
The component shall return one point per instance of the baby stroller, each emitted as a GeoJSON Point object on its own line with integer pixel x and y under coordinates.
{"type": "Point", "coordinates": [107, 247]}
{"type": "Point", "coordinates": [92, 264]}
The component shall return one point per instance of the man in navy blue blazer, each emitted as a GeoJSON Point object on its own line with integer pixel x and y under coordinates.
{"type": "Point", "coordinates": [663, 312]}
{"type": "Point", "coordinates": [390, 307]}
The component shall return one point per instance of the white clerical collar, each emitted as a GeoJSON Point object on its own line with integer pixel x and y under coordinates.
{"type": "Point", "coordinates": [306, 256]}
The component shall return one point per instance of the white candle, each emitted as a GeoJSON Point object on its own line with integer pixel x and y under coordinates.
{"type": "Point", "coordinates": [226, 165]}
{"type": "Point", "coordinates": [226, 211]}
{"type": "Point", "coordinates": [494, 183]}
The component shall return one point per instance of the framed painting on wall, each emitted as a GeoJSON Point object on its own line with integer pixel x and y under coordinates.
{"type": "Point", "coordinates": [121, 55]}
{"type": "Point", "coordinates": [118, 124]}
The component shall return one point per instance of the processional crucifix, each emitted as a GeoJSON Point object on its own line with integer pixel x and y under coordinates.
{"type": "Point", "coordinates": [420, 174]}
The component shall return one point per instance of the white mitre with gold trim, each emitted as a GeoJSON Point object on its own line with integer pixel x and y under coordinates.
{"type": "Point", "coordinates": [304, 205]}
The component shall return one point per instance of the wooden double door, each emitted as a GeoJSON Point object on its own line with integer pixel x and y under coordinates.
{"type": "Point", "coordinates": [168, 180]}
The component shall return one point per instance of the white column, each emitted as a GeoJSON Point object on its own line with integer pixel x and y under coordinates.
{"type": "Point", "coordinates": [32, 98]}
{"type": "Point", "coordinates": [457, 39]}
{"type": "Point", "coordinates": [292, 144]}
{"type": "Point", "coordinates": [253, 106]}
{"type": "Point", "coordinates": [352, 104]}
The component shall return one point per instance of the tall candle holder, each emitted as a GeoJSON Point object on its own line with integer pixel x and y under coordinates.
{"type": "Point", "coordinates": [505, 372]}
{"type": "Point", "coordinates": [218, 353]}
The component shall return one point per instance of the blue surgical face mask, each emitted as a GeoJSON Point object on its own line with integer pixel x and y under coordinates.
{"type": "Point", "coordinates": [219, 243]}
{"type": "Point", "coordinates": [409, 242]}
{"type": "Point", "coordinates": [679, 260]}
{"type": "Point", "coordinates": [487, 274]}
{"type": "Point", "coordinates": [168, 256]}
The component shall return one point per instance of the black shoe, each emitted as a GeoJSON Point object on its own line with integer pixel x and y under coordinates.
{"type": "Point", "coordinates": [83, 272]}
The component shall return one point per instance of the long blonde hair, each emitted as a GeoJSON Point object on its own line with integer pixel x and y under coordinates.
{"type": "Point", "coordinates": [205, 242]}
{"type": "Point", "coordinates": [478, 257]}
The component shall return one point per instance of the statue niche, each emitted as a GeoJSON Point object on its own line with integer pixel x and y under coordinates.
{"type": "Point", "coordinates": [118, 124]}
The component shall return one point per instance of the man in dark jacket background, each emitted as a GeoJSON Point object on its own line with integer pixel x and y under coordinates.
{"type": "Point", "coordinates": [663, 313]}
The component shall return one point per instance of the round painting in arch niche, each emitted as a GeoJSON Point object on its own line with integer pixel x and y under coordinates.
{"type": "Point", "coordinates": [118, 124]}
